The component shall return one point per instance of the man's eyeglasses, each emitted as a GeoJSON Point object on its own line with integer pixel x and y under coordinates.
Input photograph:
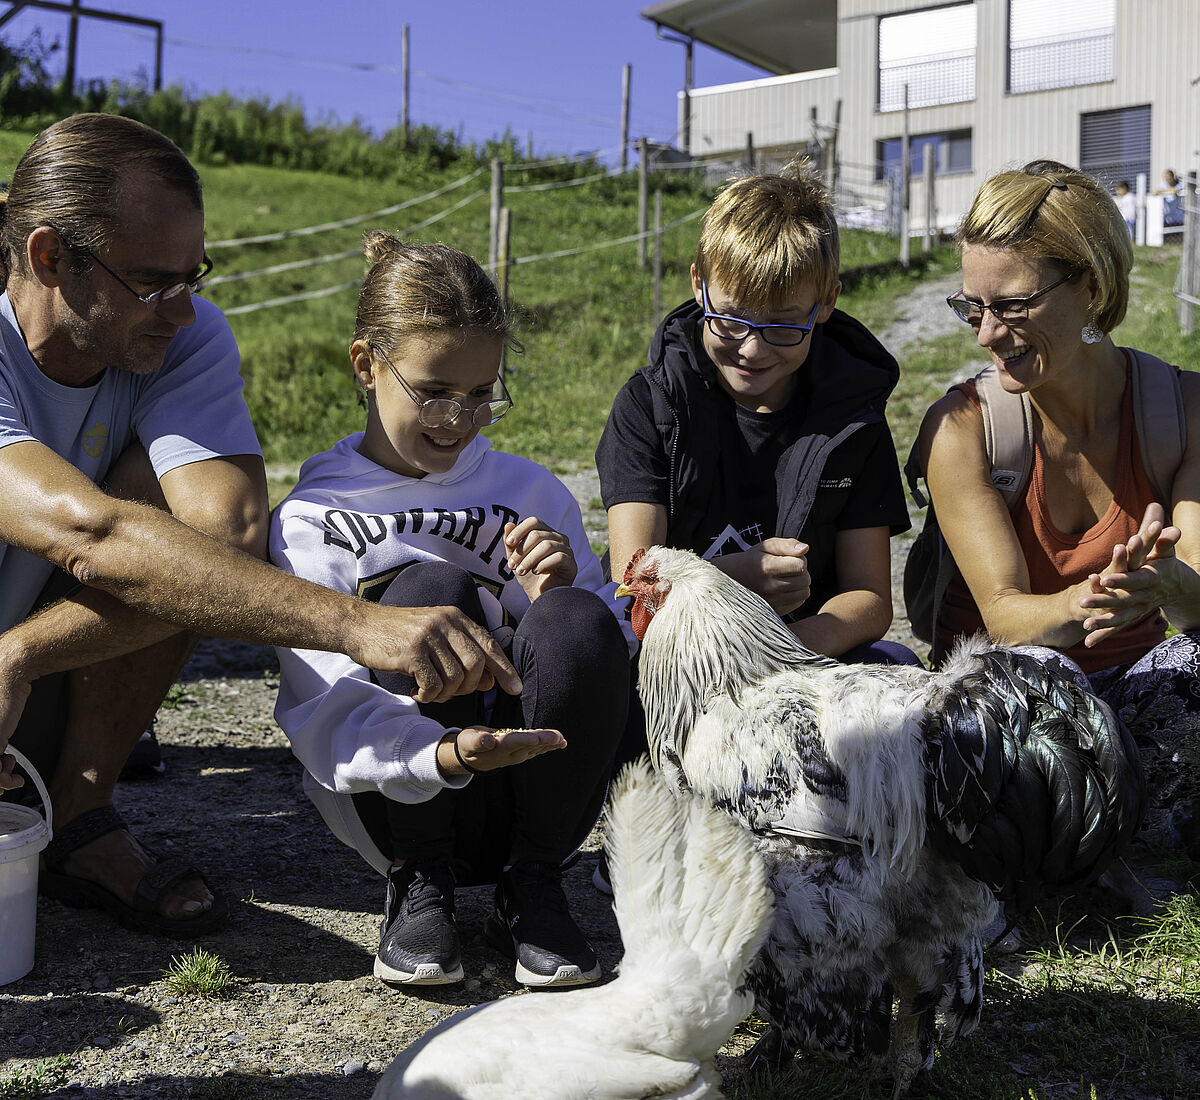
{"type": "Point", "coordinates": [437, 412]}
{"type": "Point", "coordinates": [736, 329]}
{"type": "Point", "coordinates": [155, 299]}
{"type": "Point", "coordinates": [1007, 311]}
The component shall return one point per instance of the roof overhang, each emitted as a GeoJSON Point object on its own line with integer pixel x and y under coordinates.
{"type": "Point", "coordinates": [781, 36]}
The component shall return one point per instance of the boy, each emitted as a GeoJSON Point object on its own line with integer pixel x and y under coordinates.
{"type": "Point", "coordinates": [756, 435]}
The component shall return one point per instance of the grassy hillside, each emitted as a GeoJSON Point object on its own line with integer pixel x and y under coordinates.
{"type": "Point", "coordinates": [585, 318]}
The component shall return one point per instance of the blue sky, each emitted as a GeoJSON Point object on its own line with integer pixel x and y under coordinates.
{"type": "Point", "coordinates": [549, 68]}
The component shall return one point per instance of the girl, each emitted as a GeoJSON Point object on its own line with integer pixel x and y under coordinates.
{"type": "Point", "coordinates": [419, 511]}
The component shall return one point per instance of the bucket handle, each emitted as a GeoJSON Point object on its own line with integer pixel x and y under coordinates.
{"type": "Point", "coordinates": [37, 782]}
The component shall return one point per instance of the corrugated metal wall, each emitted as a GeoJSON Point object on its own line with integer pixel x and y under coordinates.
{"type": "Point", "coordinates": [1155, 60]}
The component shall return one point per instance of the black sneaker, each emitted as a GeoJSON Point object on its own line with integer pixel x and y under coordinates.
{"type": "Point", "coordinates": [532, 924]}
{"type": "Point", "coordinates": [418, 939]}
{"type": "Point", "coordinates": [145, 759]}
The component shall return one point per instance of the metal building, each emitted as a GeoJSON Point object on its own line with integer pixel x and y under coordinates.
{"type": "Point", "coordinates": [1112, 86]}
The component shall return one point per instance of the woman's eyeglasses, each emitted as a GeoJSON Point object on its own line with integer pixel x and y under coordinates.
{"type": "Point", "coordinates": [437, 412]}
{"type": "Point", "coordinates": [1007, 311]}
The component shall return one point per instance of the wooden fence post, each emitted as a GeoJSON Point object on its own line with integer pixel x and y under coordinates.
{"type": "Point", "coordinates": [1189, 259]}
{"type": "Point", "coordinates": [905, 171]}
{"type": "Point", "coordinates": [404, 84]}
{"type": "Point", "coordinates": [626, 80]}
{"type": "Point", "coordinates": [503, 244]}
{"type": "Point", "coordinates": [930, 202]}
{"type": "Point", "coordinates": [494, 213]}
{"type": "Point", "coordinates": [658, 257]}
{"type": "Point", "coordinates": [643, 188]}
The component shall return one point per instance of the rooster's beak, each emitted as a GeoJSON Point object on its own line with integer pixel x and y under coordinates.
{"type": "Point", "coordinates": [622, 591]}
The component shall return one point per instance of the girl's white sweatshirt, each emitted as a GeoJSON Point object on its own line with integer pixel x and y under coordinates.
{"type": "Point", "coordinates": [353, 525]}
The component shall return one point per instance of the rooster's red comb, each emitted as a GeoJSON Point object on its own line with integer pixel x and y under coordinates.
{"type": "Point", "coordinates": [637, 557]}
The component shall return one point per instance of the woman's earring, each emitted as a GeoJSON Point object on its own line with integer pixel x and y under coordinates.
{"type": "Point", "coordinates": [1090, 334]}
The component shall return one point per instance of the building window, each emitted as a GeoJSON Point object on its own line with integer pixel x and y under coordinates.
{"type": "Point", "coordinates": [932, 52]}
{"type": "Point", "coordinates": [1059, 45]}
{"type": "Point", "coordinates": [951, 154]}
{"type": "Point", "coordinates": [1115, 145]}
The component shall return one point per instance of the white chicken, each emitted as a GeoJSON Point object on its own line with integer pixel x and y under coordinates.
{"type": "Point", "coordinates": [893, 805]}
{"type": "Point", "coordinates": [692, 905]}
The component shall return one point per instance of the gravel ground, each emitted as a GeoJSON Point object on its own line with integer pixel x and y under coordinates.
{"type": "Point", "coordinates": [303, 1017]}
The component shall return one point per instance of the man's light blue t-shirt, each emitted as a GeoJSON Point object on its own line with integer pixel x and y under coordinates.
{"type": "Point", "coordinates": [189, 410]}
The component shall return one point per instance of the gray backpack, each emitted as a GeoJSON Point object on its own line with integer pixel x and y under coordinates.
{"type": "Point", "coordinates": [1008, 436]}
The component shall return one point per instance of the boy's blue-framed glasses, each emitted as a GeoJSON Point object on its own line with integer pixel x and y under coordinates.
{"type": "Point", "coordinates": [437, 412]}
{"type": "Point", "coordinates": [736, 329]}
{"type": "Point", "coordinates": [1008, 311]}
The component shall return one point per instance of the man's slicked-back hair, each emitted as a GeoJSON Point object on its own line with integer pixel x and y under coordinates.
{"type": "Point", "coordinates": [72, 177]}
{"type": "Point", "coordinates": [767, 236]}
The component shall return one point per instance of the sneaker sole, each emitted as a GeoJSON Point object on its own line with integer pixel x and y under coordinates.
{"type": "Point", "coordinates": [563, 976]}
{"type": "Point", "coordinates": [425, 974]}
{"type": "Point", "coordinates": [498, 936]}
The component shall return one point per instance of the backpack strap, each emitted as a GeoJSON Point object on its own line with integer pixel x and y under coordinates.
{"type": "Point", "coordinates": [1161, 425]}
{"type": "Point", "coordinates": [1007, 434]}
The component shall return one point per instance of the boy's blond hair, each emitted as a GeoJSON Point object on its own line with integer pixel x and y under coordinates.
{"type": "Point", "coordinates": [767, 237]}
{"type": "Point", "coordinates": [1047, 211]}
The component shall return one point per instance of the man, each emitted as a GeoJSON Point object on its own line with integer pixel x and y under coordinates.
{"type": "Point", "coordinates": [129, 462]}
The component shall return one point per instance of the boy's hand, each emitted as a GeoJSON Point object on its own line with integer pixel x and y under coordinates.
{"type": "Point", "coordinates": [777, 569]}
{"type": "Point", "coordinates": [484, 749]}
{"type": "Point", "coordinates": [540, 557]}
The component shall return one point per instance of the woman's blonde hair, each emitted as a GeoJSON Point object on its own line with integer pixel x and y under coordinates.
{"type": "Point", "coordinates": [766, 236]}
{"type": "Point", "coordinates": [421, 288]}
{"type": "Point", "coordinates": [1048, 211]}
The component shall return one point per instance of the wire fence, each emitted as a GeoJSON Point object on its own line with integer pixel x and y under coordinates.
{"type": "Point", "coordinates": [442, 214]}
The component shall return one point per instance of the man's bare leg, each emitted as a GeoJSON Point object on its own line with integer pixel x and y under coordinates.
{"type": "Point", "coordinates": [111, 703]}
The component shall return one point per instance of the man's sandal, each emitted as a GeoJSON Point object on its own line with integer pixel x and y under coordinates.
{"type": "Point", "coordinates": [142, 913]}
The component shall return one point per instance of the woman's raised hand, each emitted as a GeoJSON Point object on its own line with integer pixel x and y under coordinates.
{"type": "Point", "coordinates": [1143, 576]}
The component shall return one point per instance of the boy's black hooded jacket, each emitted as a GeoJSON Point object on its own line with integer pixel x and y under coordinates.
{"type": "Point", "coordinates": [846, 380]}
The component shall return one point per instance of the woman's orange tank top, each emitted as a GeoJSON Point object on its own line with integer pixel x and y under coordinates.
{"type": "Point", "coordinates": [1056, 560]}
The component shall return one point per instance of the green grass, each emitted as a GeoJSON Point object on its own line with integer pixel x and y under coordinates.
{"type": "Point", "coordinates": [39, 1079]}
{"type": "Point", "coordinates": [198, 974]}
{"type": "Point", "coordinates": [1103, 1005]}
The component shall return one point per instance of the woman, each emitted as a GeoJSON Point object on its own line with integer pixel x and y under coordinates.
{"type": "Point", "coordinates": [1089, 561]}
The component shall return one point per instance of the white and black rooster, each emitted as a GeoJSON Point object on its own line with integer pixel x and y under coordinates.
{"type": "Point", "coordinates": [692, 903]}
{"type": "Point", "coordinates": [894, 805]}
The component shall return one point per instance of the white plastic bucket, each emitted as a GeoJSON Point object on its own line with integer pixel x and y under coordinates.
{"type": "Point", "coordinates": [23, 835]}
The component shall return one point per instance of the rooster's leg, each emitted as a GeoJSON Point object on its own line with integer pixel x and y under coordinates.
{"type": "Point", "coordinates": [906, 1049]}
{"type": "Point", "coordinates": [770, 1053]}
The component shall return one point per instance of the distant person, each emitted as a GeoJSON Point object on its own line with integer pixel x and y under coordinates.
{"type": "Point", "coordinates": [134, 508]}
{"type": "Point", "coordinates": [1127, 205]}
{"type": "Point", "coordinates": [757, 437]}
{"type": "Point", "coordinates": [1093, 561]}
{"type": "Point", "coordinates": [418, 509]}
{"type": "Point", "coordinates": [1172, 193]}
